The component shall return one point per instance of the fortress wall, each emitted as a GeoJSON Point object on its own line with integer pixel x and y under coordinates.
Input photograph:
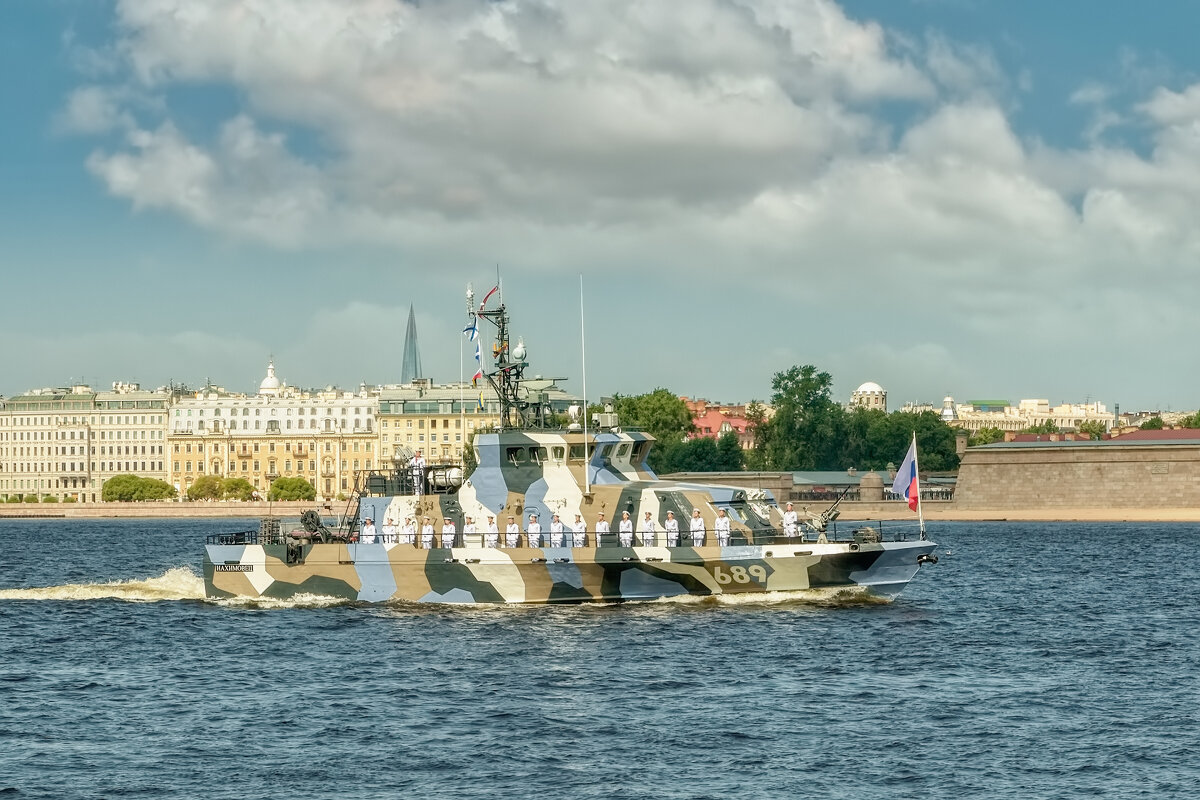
{"type": "Point", "coordinates": [1092, 476]}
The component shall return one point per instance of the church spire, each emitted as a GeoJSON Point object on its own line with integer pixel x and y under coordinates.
{"type": "Point", "coordinates": [411, 365]}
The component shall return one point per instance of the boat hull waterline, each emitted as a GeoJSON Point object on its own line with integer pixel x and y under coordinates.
{"type": "Point", "coordinates": [381, 573]}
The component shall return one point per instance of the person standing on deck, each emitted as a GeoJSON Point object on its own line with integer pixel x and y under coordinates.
{"type": "Point", "coordinates": [647, 530]}
{"type": "Point", "coordinates": [579, 532]}
{"type": "Point", "coordinates": [601, 528]}
{"type": "Point", "coordinates": [468, 530]}
{"type": "Point", "coordinates": [492, 537]}
{"type": "Point", "coordinates": [534, 530]}
{"type": "Point", "coordinates": [625, 530]}
{"type": "Point", "coordinates": [512, 533]}
{"type": "Point", "coordinates": [449, 532]}
{"type": "Point", "coordinates": [556, 532]}
{"type": "Point", "coordinates": [418, 474]}
{"type": "Point", "coordinates": [389, 532]}
{"type": "Point", "coordinates": [426, 533]}
{"type": "Point", "coordinates": [697, 528]}
{"type": "Point", "coordinates": [408, 534]}
{"type": "Point", "coordinates": [672, 528]}
{"type": "Point", "coordinates": [368, 531]}
{"type": "Point", "coordinates": [722, 528]}
{"type": "Point", "coordinates": [791, 522]}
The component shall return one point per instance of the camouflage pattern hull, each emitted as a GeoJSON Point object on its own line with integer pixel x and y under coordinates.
{"type": "Point", "coordinates": [380, 573]}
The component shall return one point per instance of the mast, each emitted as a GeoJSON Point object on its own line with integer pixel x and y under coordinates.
{"type": "Point", "coordinates": [505, 379]}
{"type": "Point", "coordinates": [917, 468]}
{"type": "Point", "coordinates": [587, 462]}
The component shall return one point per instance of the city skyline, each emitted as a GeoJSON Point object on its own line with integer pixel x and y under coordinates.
{"type": "Point", "coordinates": [966, 197]}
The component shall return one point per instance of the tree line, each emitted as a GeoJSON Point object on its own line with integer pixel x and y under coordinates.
{"type": "Point", "coordinates": [807, 431]}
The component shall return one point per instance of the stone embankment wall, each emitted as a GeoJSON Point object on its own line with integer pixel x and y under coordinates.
{"type": "Point", "coordinates": [1108, 475]}
{"type": "Point", "coordinates": [163, 509]}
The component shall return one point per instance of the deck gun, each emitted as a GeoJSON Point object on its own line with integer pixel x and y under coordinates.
{"type": "Point", "coordinates": [819, 522]}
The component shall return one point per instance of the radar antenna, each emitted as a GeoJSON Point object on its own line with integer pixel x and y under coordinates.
{"type": "Point", "coordinates": [516, 410]}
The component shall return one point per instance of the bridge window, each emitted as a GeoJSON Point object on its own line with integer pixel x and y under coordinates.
{"type": "Point", "coordinates": [515, 455]}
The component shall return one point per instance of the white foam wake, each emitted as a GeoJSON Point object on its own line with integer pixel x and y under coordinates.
{"type": "Point", "coordinates": [178, 583]}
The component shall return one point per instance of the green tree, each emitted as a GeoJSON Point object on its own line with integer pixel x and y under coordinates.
{"type": "Point", "coordinates": [730, 456]}
{"type": "Point", "coordinates": [49, 499]}
{"type": "Point", "coordinates": [206, 487]}
{"type": "Point", "coordinates": [296, 488]}
{"type": "Point", "coordinates": [756, 419]}
{"type": "Point", "coordinates": [1190, 421]}
{"type": "Point", "coordinates": [662, 414]}
{"type": "Point", "coordinates": [985, 436]}
{"type": "Point", "coordinates": [1094, 428]}
{"type": "Point", "coordinates": [1042, 427]}
{"type": "Point", "coordinates": [31, 498]}
{"type": "Point", "coordinates": [1152, 424]}
{"type": "Point", "coordinates": [236, 489]}
{"type": "Point", "coordinates": [130, 488]}
{"type": "Point", "coordinates": [808, 428]}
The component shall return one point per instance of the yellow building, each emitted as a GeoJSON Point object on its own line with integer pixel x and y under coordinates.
{"type": "Point", "coordinates": [326, 437]}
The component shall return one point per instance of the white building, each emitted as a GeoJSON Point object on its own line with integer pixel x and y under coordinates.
{"type": "Point", "coordinates": [869, 395]}
{"type": "Point", "coordinates": [66, 442]}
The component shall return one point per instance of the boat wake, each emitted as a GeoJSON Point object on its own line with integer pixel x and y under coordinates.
{"type": "Point", "coordinates": [178, 583]}
{"type": "Point", "coordinates": [298, 601]}
{"type": "Point", "coordinates": [826, 597]}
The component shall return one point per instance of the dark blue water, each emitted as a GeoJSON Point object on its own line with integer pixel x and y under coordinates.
{"type": "Point", "coordinates": [1035, 661]}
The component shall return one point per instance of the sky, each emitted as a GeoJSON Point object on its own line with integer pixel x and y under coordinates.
{"type": "Point", "coordinates": [986, 199]}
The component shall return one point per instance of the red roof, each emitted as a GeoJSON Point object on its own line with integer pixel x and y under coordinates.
{"type": "Point", "coordinates": [1164, 434]}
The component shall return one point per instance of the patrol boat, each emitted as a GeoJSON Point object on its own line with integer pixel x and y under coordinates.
{"type": "Point", "coordinates": [531, 469]}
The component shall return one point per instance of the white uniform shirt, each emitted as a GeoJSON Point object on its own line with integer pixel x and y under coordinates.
{"type": "Point", "coordinates": [389, 533]}
{"type": "Point", "coordinates": [646, 529]}
{"type": "Point", "coordinates": [791, 523]}
{"type": "Point", "coordinates": [492, 539]}
{"type": "Point", "coordinates": [672, 528]}
{"type": "Point", "coordinates": [448, 533]}
{"type": "Point", "coordinates": [512, 535]}
{"type": "Point", "coordinates": [535, 534]}
{"type": "Point", "coordinates": [468, 529]}
{"type": "Point", "coordinates": [556, 533]}
{"type": "Point", "coordinates": [697, 530]}
{"type": "Point", "coordinates": [427, 536]}
{"type": "Point", "coordinates": [368, 533]}
{"type": "Point", "coordinates": [579, 534]}
{"type": "Point", "coordinates": [601, 527]}
{"type": "Point", "coordinates": [625, 529]}
{"type": "Point", "coordinates": [722, 528]}
{"type": "Point", "coordinates": [418, 475]}
{"type": "Point", "coordinates": [408, 534]}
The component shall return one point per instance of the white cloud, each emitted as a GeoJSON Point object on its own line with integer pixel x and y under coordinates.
{"type": "Point", "coordinates": [718, 141]}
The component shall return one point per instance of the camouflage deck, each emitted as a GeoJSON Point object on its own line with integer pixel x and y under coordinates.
{"type": "Point", "coordinates": [400, 572]}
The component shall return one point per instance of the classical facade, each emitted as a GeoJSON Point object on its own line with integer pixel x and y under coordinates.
{"type": "Point", "coordinates": [65, 443]}
{"type": "Point", "coordinates": [439, 419]}
{"type": "Point", "coordinates": [714, 420]}
{"type": "Point", "coordinates": [326, 437]}
{"type": "Point", "coordinates": [1000, 414]}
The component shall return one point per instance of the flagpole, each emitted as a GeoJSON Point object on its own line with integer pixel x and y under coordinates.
{"type": "Point", "coordinates": [917, 469]}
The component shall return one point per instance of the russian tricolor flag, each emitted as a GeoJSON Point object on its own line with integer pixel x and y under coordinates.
{"type": "Point", "coordinates": [906, 484]}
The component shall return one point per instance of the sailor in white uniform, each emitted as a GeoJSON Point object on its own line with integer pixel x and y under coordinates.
{"type": "Point", "coordinates": [492, 537]}
{"type": "Point", "coordinates": [389, 532]}
{"type": "Point", "coordinates": [448, 532]}
{"type": "Point", "coordinates": [579, 532]}
{"type": "Point", "coordinates": [534, 529]}
{"type": "Point", "coordinates": [556, 532]}
{"type": "Point", "coordinates": [791, 522]}
{"type": "Point", "coordinates": [601, 528]}
{"type": "Point", "coordinates": [512, 533]}
{"type": "Point", "coordinates": [418, 473]}
{"type": "Point", "coordinates": [697, 528]}
{"type": "Point", "coordinates": [408, 534]}
{"type": "Point", "coordinates": [672, 528]}
{"type": "Point", "coordinates": [646, 529]}
{"type": "Point", "coordinates": [468, 530]}
{"type": "Point", "coordinates": [426, 533]}
{"type": "Point", "coordinates": [722, 528]}
{"type": "Point", "coordinates": [625, 530]}
{"type": "Point", "coordinates": [368, 532]}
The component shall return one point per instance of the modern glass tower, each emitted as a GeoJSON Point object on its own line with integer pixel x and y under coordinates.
{"type": "Point", "coordinates": [411, 365]}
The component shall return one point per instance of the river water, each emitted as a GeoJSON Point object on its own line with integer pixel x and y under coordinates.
{"type": "Point", "coordinates": [1034, 661]}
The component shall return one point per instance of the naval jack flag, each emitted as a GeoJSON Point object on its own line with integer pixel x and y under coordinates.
{"type": "Point", "coordinates": [906, 484]}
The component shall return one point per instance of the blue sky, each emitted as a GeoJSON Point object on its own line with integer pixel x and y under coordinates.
{"type": "Point", "coordinates": [982, 198]}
